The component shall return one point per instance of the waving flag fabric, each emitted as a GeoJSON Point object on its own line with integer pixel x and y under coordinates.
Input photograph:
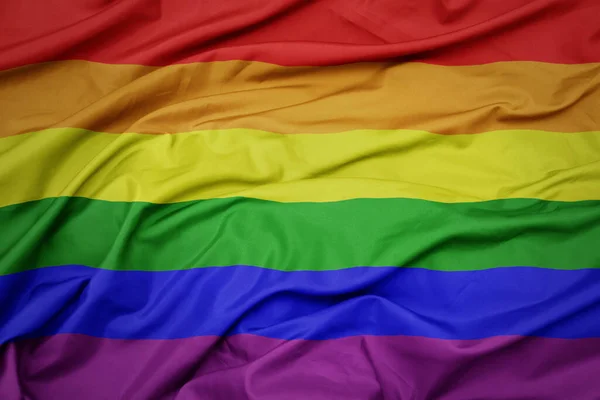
{"type": "Point", "coordinates": [289, 199]}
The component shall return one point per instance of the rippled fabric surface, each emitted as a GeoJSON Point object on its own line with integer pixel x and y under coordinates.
{"type": "Point", "coordinates": [335, 199]}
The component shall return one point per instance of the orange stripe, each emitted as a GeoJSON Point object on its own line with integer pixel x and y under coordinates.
{"type": "Point", "coordinates": [241, 94]}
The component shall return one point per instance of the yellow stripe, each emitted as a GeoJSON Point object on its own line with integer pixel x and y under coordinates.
{"type": "Point", "coordinates": [288, 168]}
{"type": "Point", "coordinates": [254, 95]}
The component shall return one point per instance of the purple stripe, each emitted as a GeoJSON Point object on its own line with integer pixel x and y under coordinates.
{"type": "Point", "coordinates": [252, 367]}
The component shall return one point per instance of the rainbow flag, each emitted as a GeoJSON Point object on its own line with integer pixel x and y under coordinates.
{"type": "Point", "coordinates": [290, 199]}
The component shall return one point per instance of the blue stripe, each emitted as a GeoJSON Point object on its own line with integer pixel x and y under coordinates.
{"type": "Point", "coordinates": [306, 304]}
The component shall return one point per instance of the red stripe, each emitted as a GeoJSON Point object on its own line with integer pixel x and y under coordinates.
{"type": "Point", "coordinates": [297, 32]}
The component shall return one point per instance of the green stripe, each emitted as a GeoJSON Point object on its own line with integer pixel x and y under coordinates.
{"type": "Point", "coordinates": [300, 236]}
